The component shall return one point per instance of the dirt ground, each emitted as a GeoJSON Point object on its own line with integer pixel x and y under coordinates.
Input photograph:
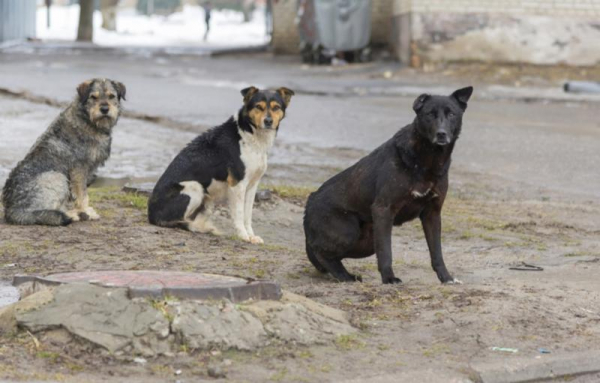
{"type": "Point", "coordinates": [490, 224]}
{"type": "Point", "coordinates": [419, 325]}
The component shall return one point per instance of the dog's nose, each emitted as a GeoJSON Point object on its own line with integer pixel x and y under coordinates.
{"type": "Point", "coordinates": [268, 121]}
{"type": "Point", "coordinates": [104, 109]}
{"type": "Point", "coordinates": [441, 136]}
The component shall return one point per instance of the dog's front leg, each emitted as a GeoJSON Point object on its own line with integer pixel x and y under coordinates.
{"type": "Point", "coordinates": [383, 220]}
{"type": "Point", "coordinates": [432, 227]}
{"type": "Point", "coordinates": [248, 205]}
{"type": "Point", "coordinates": [78, 179]}
{"type": "Point", "coordinates": [236, 197]}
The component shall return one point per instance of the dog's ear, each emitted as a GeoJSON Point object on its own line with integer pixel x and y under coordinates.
{"type": "Point", "coordinates": [83, 90]}
{"type": "Point", "coordinates": [121, 90]}
{"type": "Point", "coordinates": [286, 94]}
{"type": "Point", "coordinates": [419, 101]}
{"type": "Point", "coordinates": [462, 96]}
{"type": "Point", "coordinates": [248, 93]}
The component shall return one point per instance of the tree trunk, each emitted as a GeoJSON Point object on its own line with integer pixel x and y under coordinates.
{"type": "Point", "coordinates": [86, 20]}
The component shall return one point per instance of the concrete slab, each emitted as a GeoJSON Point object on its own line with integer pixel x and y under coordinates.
{"type": "Point", "coordinates": [107, 317]}
{"type": "Point", "coordinates": [151, 283]}
{"type": "Point", "coordinates": [546, 368]}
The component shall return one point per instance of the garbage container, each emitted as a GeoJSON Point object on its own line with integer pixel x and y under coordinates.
{"type": "Point", "coordinates": [344, 25]}
{"type": "Point", "coordinates": [330, 26]}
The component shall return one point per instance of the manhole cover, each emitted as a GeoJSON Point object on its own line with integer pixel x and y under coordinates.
{"type": "Point", "coordinates": [147, 283]}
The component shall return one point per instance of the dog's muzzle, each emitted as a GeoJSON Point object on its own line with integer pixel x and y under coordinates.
{"type": "Point", "coordinates": [441, 138]}
{"type": "Point", "coordinates": [268, 123]}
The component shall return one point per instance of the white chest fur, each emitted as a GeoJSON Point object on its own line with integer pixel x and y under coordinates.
{"type": "Point", "coordinates": [253, 152]}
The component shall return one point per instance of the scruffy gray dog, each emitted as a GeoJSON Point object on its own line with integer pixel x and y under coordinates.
{"type": "Point", "coordinates": [49, 187]}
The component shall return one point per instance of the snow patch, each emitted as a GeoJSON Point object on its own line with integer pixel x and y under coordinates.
{"type": "Point", "coordinates": [185, 28]}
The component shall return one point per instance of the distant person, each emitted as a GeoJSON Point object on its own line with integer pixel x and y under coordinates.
{"type": "Point", "coordinates": [207, 6]}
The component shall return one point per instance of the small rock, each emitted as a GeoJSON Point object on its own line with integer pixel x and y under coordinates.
{"type": "Point", "coordinates": [216, 372]}
{"type": "Point", "coordinates": [142, 188]}
{"type": "Point", "coordinates": [263, 195]}
{"type": "Point", "coordinates": [140, 360]}
{"type": "Point", "coordinates": [178, 372]}
{"type": "Point", "coordinates": [227, 362]}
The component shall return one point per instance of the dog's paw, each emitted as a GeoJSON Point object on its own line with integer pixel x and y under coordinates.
{"type": "Point", "coordinates": [391, 280]}
{"type": "Point", "coordinates": [74, 215]}
{"type": "Point", "coordinates": [349, 278]}
{"type": "Point", "coordinates": [256, 240]}
{"type": "Point", "coordinates": [242, 237]}
{"type": "Point", "coordinates": [454, 281]}
{"type": "Point", "coordinates": [216, 232]}
{"type": "Point", "coordinates": [356, 278]}
{"type": "Point", "coordinates": [91, 213]}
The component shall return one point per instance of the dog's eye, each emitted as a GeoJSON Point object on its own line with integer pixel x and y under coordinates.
{"type": "Point", "coordinates": [93, 97]}
{"type": "Point", "coordinates": [259, 107]}
{"type": "Point", "coordinates": [111, 96]}
{"type": "Point", "coordinates": [450, 114]}
{"type": "Point", "coordinates": [276, 108]}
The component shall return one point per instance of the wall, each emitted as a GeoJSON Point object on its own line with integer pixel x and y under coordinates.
{"type": "Point", "coordinates": [381, 22]}
{"type": "Point", "coordinates": [17, 19]}
{"type": "Point", "coordinates": [528, 31]}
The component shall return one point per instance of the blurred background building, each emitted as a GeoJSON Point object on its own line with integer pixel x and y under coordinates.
{"type": "Point", "coordinates": [415, 32]}
{"type": "Point", "coordinates": [526, 31]}
{"type": "Point", "coordinates": [421, 31]}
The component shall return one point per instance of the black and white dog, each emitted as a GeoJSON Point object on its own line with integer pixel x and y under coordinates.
{"type": "Point", "coordinates": [227, 161]}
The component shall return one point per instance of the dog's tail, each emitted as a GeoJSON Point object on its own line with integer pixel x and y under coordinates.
{"type": "Point", "coordinates": [185, 225]}
{"type": "Point", "coordinates": [38, 217]}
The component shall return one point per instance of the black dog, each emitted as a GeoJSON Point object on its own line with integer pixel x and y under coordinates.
{"type": "Point", "coordinates": [352, 214]}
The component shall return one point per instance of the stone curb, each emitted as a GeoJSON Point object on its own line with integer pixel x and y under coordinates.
{"type": "Point", "coordinates": [493, 92]}
{"type": "Point", "coordinates": [132, 49]}
{"type": "Point", "coordinates": [549, 368]}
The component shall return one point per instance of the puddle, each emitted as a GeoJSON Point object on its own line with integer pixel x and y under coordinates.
{"type": "Point", "coordinates": [8, 293]}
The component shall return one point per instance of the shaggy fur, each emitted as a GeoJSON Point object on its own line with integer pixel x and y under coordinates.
{"type": "Point", "coordinates": [227, 161]}
{"type": "Point", "coordinates": [352, 214]}
{"type": "Point", "coordinates": [49, 186]}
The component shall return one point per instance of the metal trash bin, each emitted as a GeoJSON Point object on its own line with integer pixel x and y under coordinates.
{"type": "Point", "coordinates": [330, 26]}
